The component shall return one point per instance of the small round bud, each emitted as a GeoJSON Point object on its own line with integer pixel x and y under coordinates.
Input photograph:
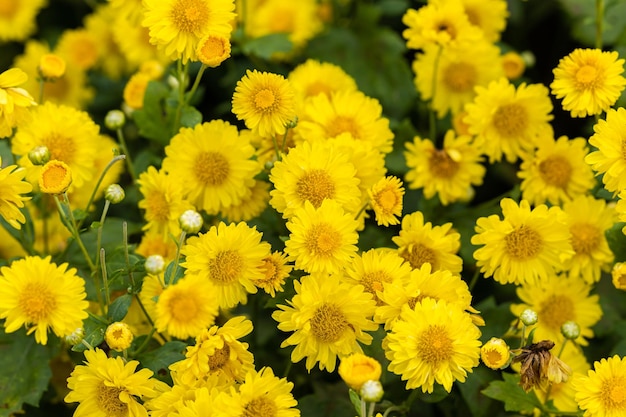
{"type": "Point", "coordinates": [372, 391]}
{"type": "Point", "coordinates": [292, 123]}
{"type": "Point", "coordinates": [51, 66]}
{"type": "Point", "coordinates": [619, 276]}
{"type": "Point", "coordinates": [76, 336]}
{"type": "Point", "coordinates": [114, 193]}
{"type": "Point", "coordinates": [154, 264]}
{"type": "Point", "coordinates": [570, 329]}
{"type": "Point", "coordinates": [528, 317]}
{"type": "Point", "coordinates": [39, 155]}
{"type": "Point", "coordinates": [190, 221]}
{"type": "Point", "coordinates": [114, 119]}
{"type": "Point", "coordinates": [55, 177]}
{"type": "Point", "coordinates": [529, 58]}
{"type": "Point", "coordinates": [495, 353]}
{"type": "Point", "coordinates": [118, 336]}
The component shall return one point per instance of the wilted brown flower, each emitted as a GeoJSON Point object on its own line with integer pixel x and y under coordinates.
{"type": "Point", "coordinates": [540, 366]}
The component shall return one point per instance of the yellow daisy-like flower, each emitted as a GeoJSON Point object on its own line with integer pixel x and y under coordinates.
{"type": "Point", "coordinates": [346, 113]}
{"type": "Point", "coordinates": [602, 391]}
{"type": "Point", "coordinates": [460, 69]}
{"type": "Point", "coordinates": [557, 299]}
{"type": "Point", "coordinates": [250, 207]}
{"type": "Point", "coordinates": [14, 100]}
{"type": "Point", "coordinates": [357, 369]}
{"type": "Point", "coordinates": [314, 173]}
{"type": "Point", "coordinates": [265, 102]}
{"type": "Point", "coordinates": [495, 354]}
{"type": "Point", "coordinates": [186, 308]}
{"type": "Point", "coordinates": [13, 190]}
{"type": "Point", "coordinates": [374, 268]}
{"type": "Point", "coordinates": [556, 171]}
{"type": "Point", "coordinates": [276, 271]}
{"type": "Point", "coordinates": [386, 200]}
{"type": "Point", "coordinates": [52, 66]}
{"type": "Point", "coordinates": [312, 78]}
{"type": "Point", "coordinates": [70, 135]}
{"type": "Point", "coordinates": [618, 276]}
{"type": "Point", "coordinates": [217, 352]}
{"type": "Point", "coordinates": [321, 239]}
{"type": "Point", "coordinates": [153, 243]}
{"type": "Point", "coordinates": [177, 26]}
{"type": "Point", "coordinates": [209, 402]}
{"type": "Point", "coordinates": [162, 201]}
{"type": "Point", "coordinates": [55, 177]}
{"type": "Point", "coordinates": [118, 336]}
{"type": "Point", "coordinates": [589, 81]}
{"type": "Point", "coordinates": [589, 219]}
{"type": "Point", "coordinates": [524, 245]}
{"type": "Point", "coordinates": [212, 164]}
{"type": "Point", "coordinates": [79, 47]}
{"type": "Point", "coordinates": [135, 90]}
{"type": "Point", "coordinates": [228, 257]}
{"type": "Point", "coordinates": [433, 342]}
{"type": "Point", "coordinates": [508, 120]}
{"type": "Point", "coordinates": [41, 295]}
{"type": "Point", "coordinates": [18, 19]}
{"type": "Point", "coordinates": [420, 243]}
{"type": "Point", "coordinates": [329, 319]}
{"type": "Point", "coordinates": [488, 15]}
{"type": "Point", "coordinates": [609, 138]}
{"type": "Point", "coordinates": [513, 65]}
{"type": "Point", "coordinates": [105, 387]}
{"type": "Point", "coordinates": [448, 173]}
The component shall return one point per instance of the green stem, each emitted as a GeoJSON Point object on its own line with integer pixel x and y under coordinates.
{"type": "Point", "coordinates": [107, 203]}
{"type": "Point", "coordinates": [181, 240]}
{"type": "Point", "coordinates": [362, 209]}
{"type": "Point", "coordinates": [182, 86]}
{"type": "Point", "coordinates": [74, 230]}
{"type": "Point", "coordinates": [363, 412]}
{"type": "Point", "coordinates": [474, 280]}
{"type": "Point", "coordinates": [145, 342]}
{"type": "Point", "coordinates": [196, 82]}
{"type": "Point", "coordinates": [129, 162]}
{"type": "Point", "coordinates": [105, 279]}
{"type": "Point", "coordinates": [599, 22]}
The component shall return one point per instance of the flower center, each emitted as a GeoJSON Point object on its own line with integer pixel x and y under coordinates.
{"type": "Point", "coordinates": [523, 243]}
{"type": "Point", "coordinates": [387, 200]}
{"type": "Point", "coordinates": [37, 302]}
{"type": "Point", "coordinates": [183, 307]}
{"type": "Point", "coordinates": [226, 267]}
{"type": "Point", "coordinates": [343, 124]}
{"type": "Point", "coordinates": [556, 310]}
{"type": "Point", "coordinates": [445, 26]}
{"type": "Point", "coordinates": [586, 76]}
{"type": "Point", "coordinates": [157, 206]}
{"type": "Point", "coordinates": [315, 186]}
{"type": "Point", "coordinates": [555, 171]}
{"type": "Point", "coordinates": [260, 407]}
{"type": "Point", "coordinates": [190, 16]}
{"type": "Point", "coordinates": [492, 356]}
{"type": "Point", "coordinates": [434, 345]}
{"type": "Point", "coordinates": [373, 281]}
{"type": "Point", "coordinates": [613, 393]}
{"type": "Point", "coordinates": [472, 16]}
{"type": "Point", "coordinates": [510, 120]}
{"type": "Point", "coordinates": [328, 323]}
{"type": "Point", "coordinates": [585, 238]}
{"type": "Point", "coordinates": [8, 8]}
{"type": "Point", "coordinates": [413, 301]}
{"type": "Point", "coordinates": [460, 77]}
{"type": "Point", "coordinates": [441, 164]}
{"type": "Point", "coordinates": [61, 148]}
{"type": "Point", "coordinates": [265, 100]}
{"type": "Point", "coordinates": [211, 168]}
{"type": "Point", "coordinates": [213, 47]}
{"type": "Point", "coordinates": [219, 358]}
{"type": "Point", "coordinates": [108, 399]}
{"type": "Point", "coordinates": [418, 254]}
{"type": "Point", "coordinates": [323, 240]}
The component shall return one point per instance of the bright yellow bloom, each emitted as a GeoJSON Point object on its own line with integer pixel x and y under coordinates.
{"type": "Point", "coordinates": [357, 369]}
{"type": "Point", "coordinates": [251, 206]}
{"type": "Point", "coordinates": [213, 49]}
{"type": "Point", "coordinates": [52, 66]}
{"type": "Point", "coordinates": [265, 102]}
{"type": "Point", "coordinates": [313, 78]}
{"type": "Point", "coordinates": [13, 100]}
{"type": "Point", "coordinates": [508, 120]}
{"type": "Point", "coordinates": [276, 271]}
{"type": "Point", "coordinates": [433, 342]}
{"type": "Point", "coordinates": [79, 48]}
{"type": "Point", "coordinates": [18, 19]}
{"type": "Point", "coordinates": [386, 200]}
{"type": "Point", "coordinates": [450, 173]}
{"type": "Point", "coordinates": [135, 90]}
{"type": "Point", "coordinates": [524, 245]}
{"type": "Point", "coordinates": [41, 295]}
{"type": "Point", "coordinates": [602, 391]}
{"type": "Point", "coordinates": [589, 81]}
{"type": "Point", "coordinates": [618, 275]}
{"type": "Point", "coordinates": [13, 190]}
{"type": "Point", "coordinates": [105, 387]}
{"type": "Point", "coordinates": [329, 319]}
{"type": "Point", "coordinates": [118, 336]}
{"type": "Point", "coordinates": [513, 65]}
{"type": "Point", "coordinates": [609, 138]}
{"type": "Point", "coordinates": [55, 177]}
{"type": "Point", "coordinates": [488, 15]}
{"type": "Point", "coordinates": [495, 353]}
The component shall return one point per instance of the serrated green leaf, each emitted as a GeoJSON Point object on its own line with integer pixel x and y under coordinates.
{"type": "Point", "coordinates": [190, 116]}
{"type": "Point", "coordinates": [94, 333]}
{"type": "Point", "coordinates": [119, 307]}
{"type": "Point", "coordinates": [266, 46]}
{"type": "Point", "coordinates": [161, 358]}
{"type": "Point", "coordinates": [511, 393]}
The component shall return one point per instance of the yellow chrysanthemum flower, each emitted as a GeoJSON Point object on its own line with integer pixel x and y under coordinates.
{"type": "Point", "coordinates": [79, 47]}
{"type": "Point", "coordinates": [212, 164]}
{"type": "Point", "coordinates": [314, 173]}
{"type": "Point", "coordinates": [162, 201]}
{"type": "Point", "coordinates": [618, 276]}
{"type": "Point", "coordinates": [52, 66]}
{"type": "Point", "coordinates": [321, 239]}
{"type": "Point", "coordinates": [346, 113]}
{"type": "Point", "coordinates": [495, 354]}
{"type": "Point", "coordinates": [329, 319]}
{"type": "Point", "coordinates": [509, 120]}
{"type": "Point", "coordinates": [420, 243]}
{"type": "Point", "coordinates": [186, 308]}
{"type": "Point", "coordinates": [433, 342]}
{"type": "Point", "coordinates": [18, 19]}
{"type": "Point", "coordinates": [524, 245]}
{"type": "Point", "coordinates": [14, 100]}
{"type": "Point", "coordinates": [556, 171]}
{"type": "Point", "coordinates": [110, 386]}
{"type": "Point", "coordinates": [313, 77]}
{"type": "Point", "coordinates": [602, 391]}
{"type": "Point", "coordinates": [488, 15]}
{"type": "Point", "coordinates": [450, 173]}
{"type": "Point", "coordinates": [557, 299]}
{"type": "Point", "coordinates": [13, 190]}
{"type": "Point", "coordinates": [135, 90]}
{"type": "Point", "coordinates": [513, 65]}
{"type": "Point", "coordinates": [251, 206]}
{"type": "Point", "coordinates": [118, 336]}
{"type": "Point", "coordinates": [265, 102]}
{"type": "Point", "coordinates": [588, 220]}
{"type": "Point", "coordinates": [213, 49]}
{"type": "Point", "coordinates": [209, 402]}
{"type": "Point", "coordinates": [55, 177]}
{"type": "Point", "coordinates": [228, 257]}
{"type": "Point", "coordinates": [589, 81]}
{"type": "Point", "coordinates": [276, 271]}
{"type": "Point", "coordinates": [357, 369]}
{"type": "Point", "coordinates": [217, 353]}
{"type": "Point", "coordinates": [609, 138]}
{"type": "Point", "coordinates": [153, 243]}
{"type": "Point", "coordinates": [41, 295]}
{"type": "Point", "coordinates": [460, 69]}
{"type": "Point", "coordinates": [177, 26]}
{"type": "Point", "coordinates": [171, 401]}
{"type": "Point", "coordinates": [386, 200]}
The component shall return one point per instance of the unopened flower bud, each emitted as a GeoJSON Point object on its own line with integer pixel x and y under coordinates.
{"type": "Point", "coordinates": [495, 353]}
{"type": "Point", "coordinates": [570, 329]}
{"type": "Point", "coordinates": [292, 123]}
{"type": "Point", "coordinates": [39, 155]}
{"type": "Point", "coordinates": [372, 391]}
{"type": "Point", "coordinates": [114, 119]}
{"type": "Point", "coordinates": [619, 276]}
{"type": "Point", "coordinates": [114, 193]}
{"type": "Point", "coordinates": [76, 336]}
{"type": "Point", "coordinates": [528, 317]}
{"type": "Point", "coordinates": [190, 221]}
{"type": "Point", "coordinates": [155, 264]}
{"type": "Point", "coordinates": [51, 66]}
{"type": "Point", "coordinates": [55, 177]}
{"type": "Point", "coordinates": [118, 336]}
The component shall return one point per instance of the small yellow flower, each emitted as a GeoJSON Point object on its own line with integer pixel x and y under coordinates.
{"type": "Point", "coordinates": [619, 275]}
{"type": "Point", "coordinates": [135, 90]}
{"type": "Point", "coordinates": [51, 66]}
{"type": "Point", "coordinates": [55, 177]}
{"type": "Point", "coordinates": [495, 353]}
{"type": "Point", "coordinates": [357, 369]}
{"type": "Point", "coordinates": [118, 336]}
{"type": "Point", "coordinates": [386, 200]}
{"type": "Point", "coordinates": [213, 49]}
{"type": "Point", "coordinates": [513, 65]}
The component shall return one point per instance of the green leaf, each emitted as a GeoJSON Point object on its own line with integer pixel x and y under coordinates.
{"type": "Point", "coordinates": [479, 405]}
{"type": "Point", "coordinates": [158, 360]}
{"type": "Point", "coordinates": [151, 119]}
{"type": "Point", "coordinates": [190, 116]}
{"type": "Point", "coordinates": [25, 370]}
{"type": "Point", "coordinates": [266, 46]}
{"type": "Point", "coordinates": [119, 307]}
{"type": "Point", "coordinates": [169, 270]}
{"type": "Point", "coordinates": [513, 396]}
{"type": "Point", "coordinates": [356, 402]}
{"type": "Point", "coordinates": [617, 241]}
{"type": "Point", "coordinates": [94, 333]}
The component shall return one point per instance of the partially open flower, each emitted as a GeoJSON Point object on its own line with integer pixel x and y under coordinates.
{"type": "Point", "coordinates": [55, 177]}
{"type": "Point", "coordinates": [495, 353]}
{"type": "Point", "coordinates": [540, 367]}
{"type": "Point", "coordinates": [619, 275]}
{"type": "Point", "coordinates": [118, 336]}
{"type": "Point", "coordinates": [51, 66]}
{"type": "Point", "coordinates": [213, 50]}
{"type": "Point", "coordinates": [358, 368]}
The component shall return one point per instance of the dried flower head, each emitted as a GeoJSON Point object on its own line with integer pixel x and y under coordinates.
{"type": "Point", "coordinates": [539, 366]}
